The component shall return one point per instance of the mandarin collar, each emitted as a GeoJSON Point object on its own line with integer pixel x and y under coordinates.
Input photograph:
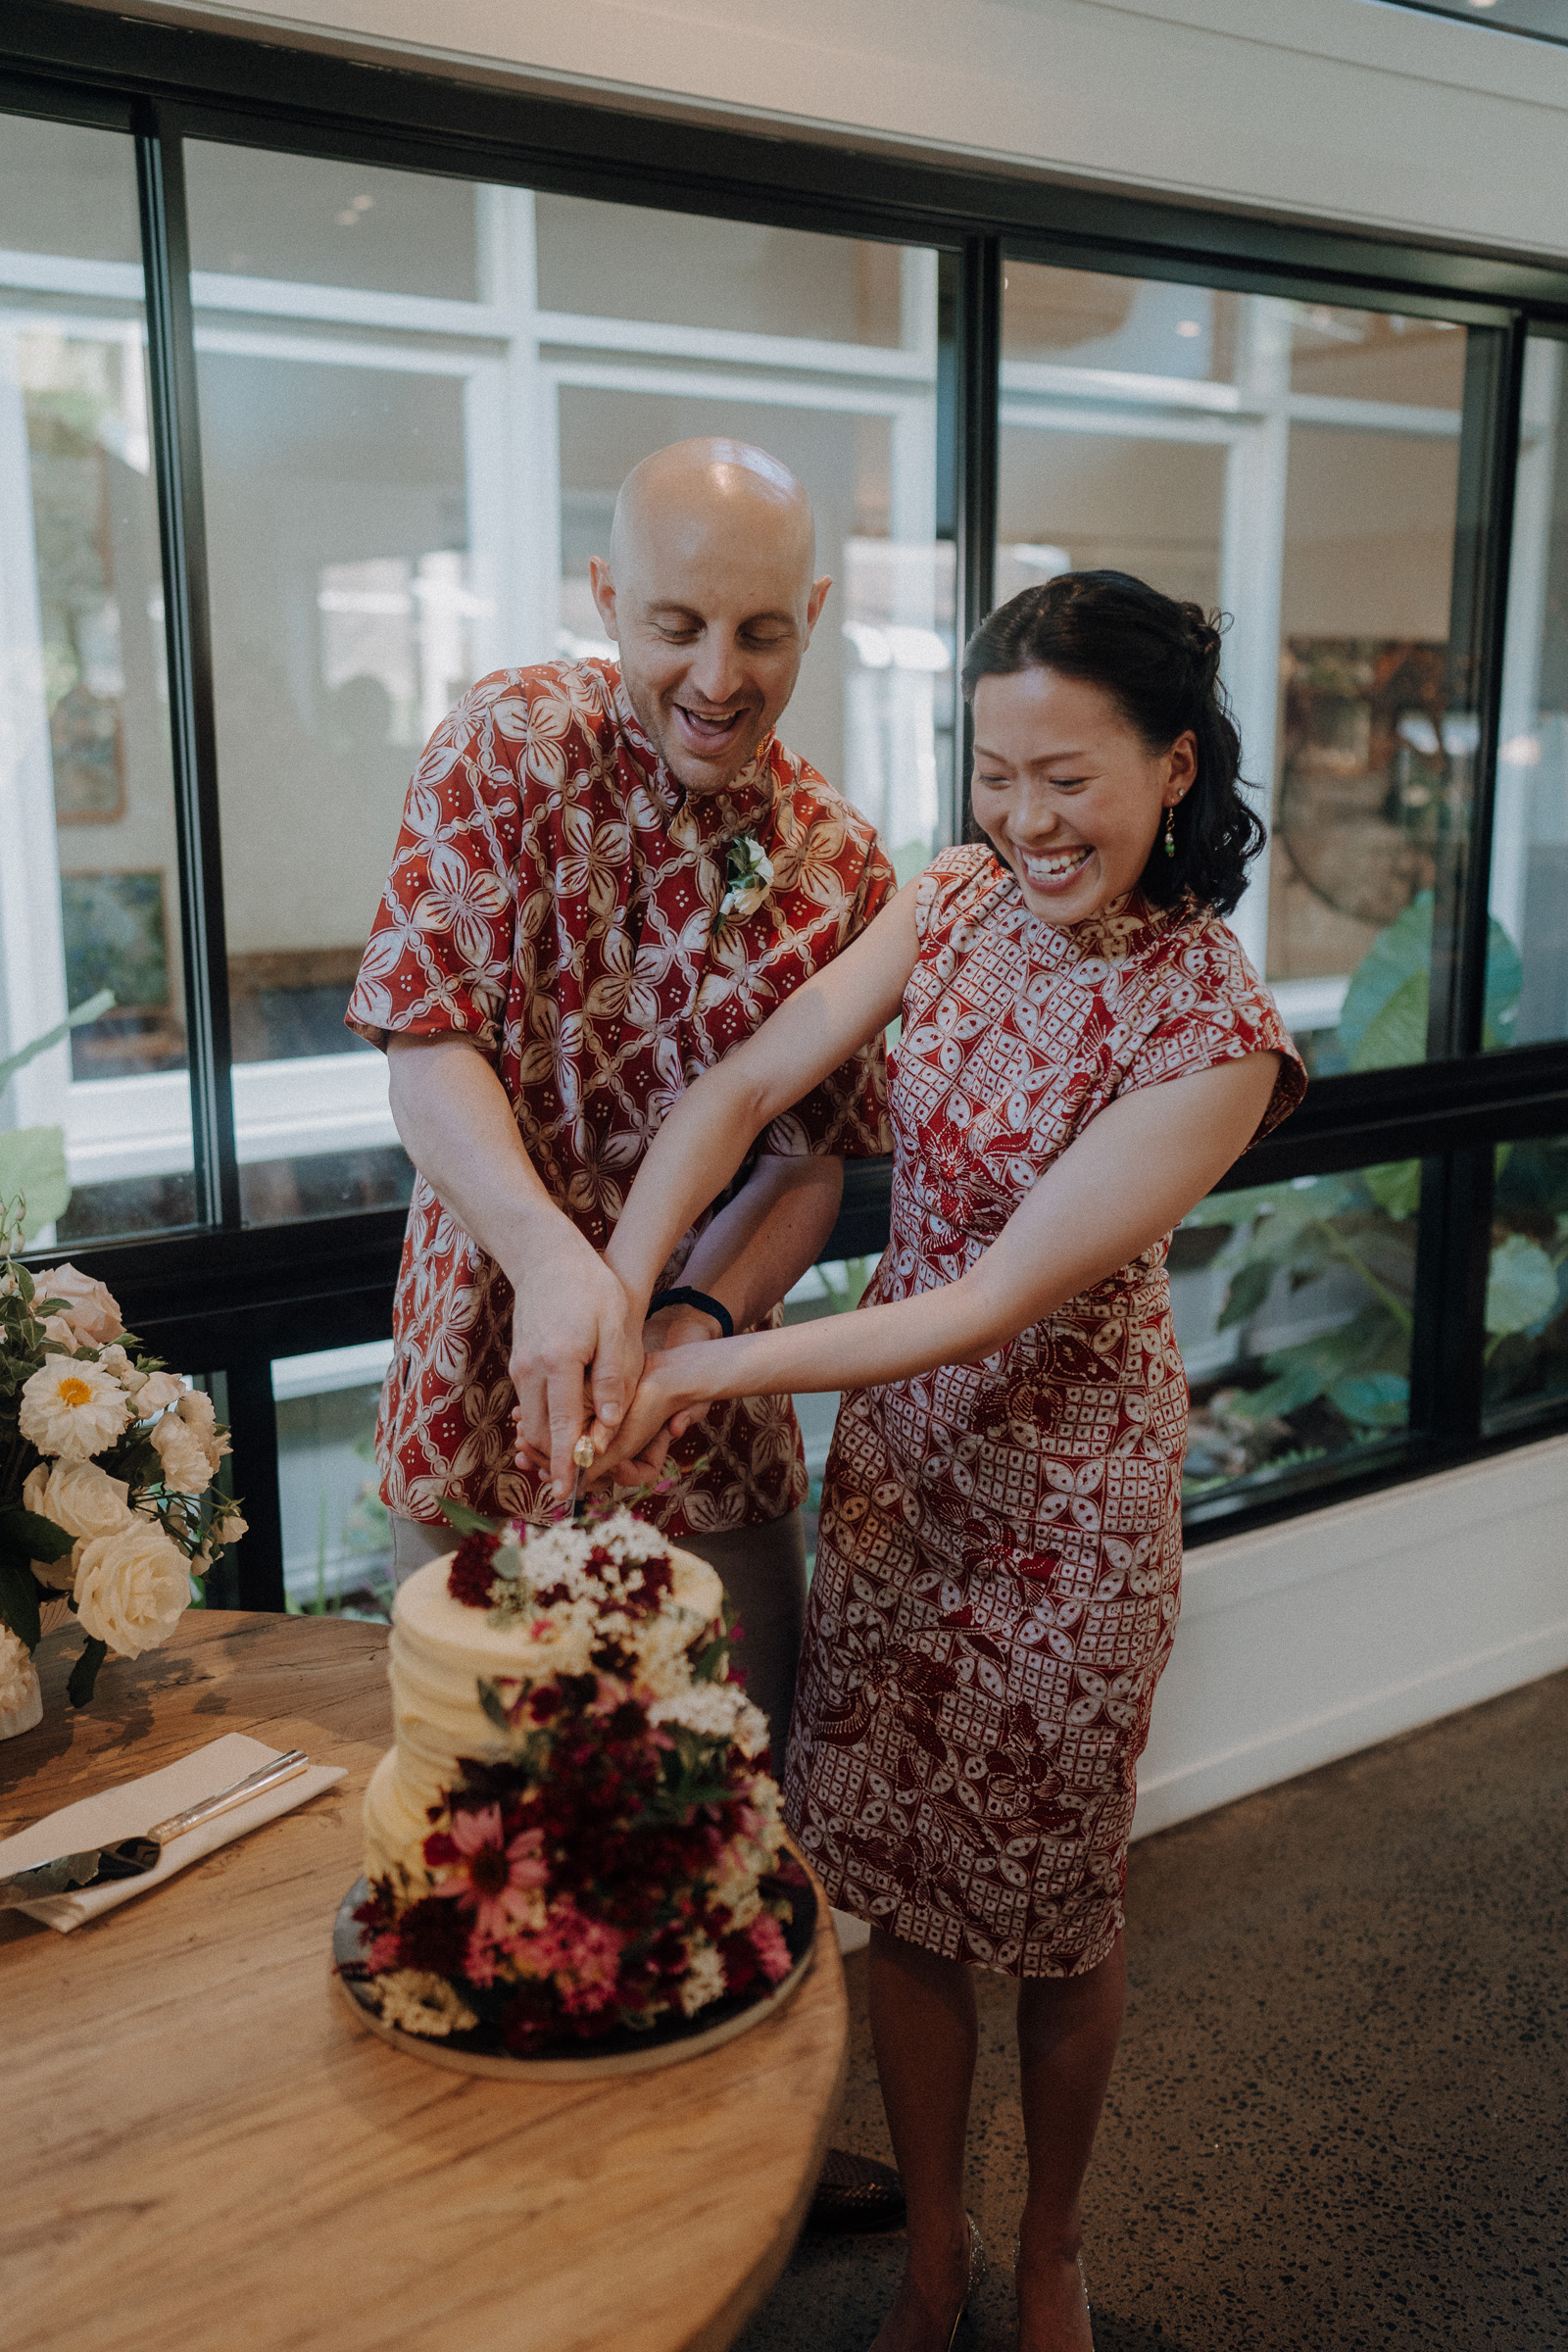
{"type": "Point", "coordinates": [702, 821]}
{"type": "Point", "coordinates": [1109, 935]}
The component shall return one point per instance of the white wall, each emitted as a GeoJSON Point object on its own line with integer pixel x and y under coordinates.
{"type": "Point", "coordinates": [1353, 1623]}
{"type": "Point", "coordinates": [1350, 1624]}
{"type": "Point", "coordinates": [1337, 110]}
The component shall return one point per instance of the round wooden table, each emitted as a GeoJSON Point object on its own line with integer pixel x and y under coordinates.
{"type": "Point", "coordinates": [204, 2151]}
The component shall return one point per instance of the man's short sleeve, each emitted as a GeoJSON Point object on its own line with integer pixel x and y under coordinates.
{"type": "Point", "coordinates": [440, 953]}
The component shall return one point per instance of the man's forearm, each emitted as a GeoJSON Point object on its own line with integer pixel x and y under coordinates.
{"type": "Point", "coordinates": [457, 1127]}
{"type": "Point", "coordinates": [762, 1242]}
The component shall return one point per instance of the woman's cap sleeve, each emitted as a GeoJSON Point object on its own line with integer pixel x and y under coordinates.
{"type": "Point", "coordinates": [1209, 1007]}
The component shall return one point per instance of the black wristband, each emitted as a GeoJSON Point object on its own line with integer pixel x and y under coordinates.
{"type": "Point", "coordinates": [687, 1297]}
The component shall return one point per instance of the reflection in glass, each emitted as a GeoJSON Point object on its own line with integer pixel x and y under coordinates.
{"type": "Point", "coordinates": [1296, 465]}
{"type": "Point", "coordinates": [1293, 1305]}
{"type": "Point", "coordinates": [1526, 1286]}
{"type": "Point", "coordinates": [96, 1129]}
{"type": "Point", "coordinates": [1529, 823]}
{"type": "Point", "coordinates": [419, 398]}
{"type": "Point", "coordinates": [337, 1543]}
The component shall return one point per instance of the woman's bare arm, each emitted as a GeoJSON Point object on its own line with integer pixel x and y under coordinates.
{"type": "Point", "coordinates": [713, 1124]}
{"type": "Point", "coordinates": [1129, 1178]}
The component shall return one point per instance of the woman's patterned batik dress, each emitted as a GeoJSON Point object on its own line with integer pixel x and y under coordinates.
{"type": "Point", "coordinates": [998, 1565]}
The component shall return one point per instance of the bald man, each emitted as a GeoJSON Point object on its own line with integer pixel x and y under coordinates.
{"type": "Point", "coordinates": [608, 873]}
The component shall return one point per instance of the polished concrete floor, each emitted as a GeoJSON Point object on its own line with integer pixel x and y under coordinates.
{"type": "Point", "coordinates": [1339, 2113]}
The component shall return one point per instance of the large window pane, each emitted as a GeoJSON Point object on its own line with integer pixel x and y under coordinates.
{"type": "Point", "coordinates": [1527, 964]}
{"type": "Point", "coordinates": [1297, 465]}
{"type": "Point", "coordinates": [1293, 1305]}
{"type": "Point", "coordinates": [338, 1542]}
{"type": "Point", "coordinates": [1526, 1286]}
{"type": "Point", "coordinates": [401, 494]}
{"type": "Point", "coordinates": [95, 1130]}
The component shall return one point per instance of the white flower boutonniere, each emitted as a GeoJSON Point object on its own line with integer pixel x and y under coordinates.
{"type": "Point", "coordinates": [749, 876]}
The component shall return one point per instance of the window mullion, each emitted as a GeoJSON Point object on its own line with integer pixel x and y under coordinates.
{"type": "Point", "coordinates": [977, 389]}
{"type": "Point", "coordinates": [171, 368]}
{"type": "Point", "coordinates": [1488, 454]}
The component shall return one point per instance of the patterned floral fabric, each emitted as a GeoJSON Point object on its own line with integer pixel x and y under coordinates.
{"type": "Point", "coordinates": [554, 895]}
{"type": "Point", "coordinates": [999, 1564]}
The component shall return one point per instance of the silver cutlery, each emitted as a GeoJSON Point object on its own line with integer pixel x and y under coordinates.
{"type": "Point", "coordinates": [133, 1857]}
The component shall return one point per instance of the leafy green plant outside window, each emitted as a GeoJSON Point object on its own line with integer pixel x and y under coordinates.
{"type": "Point", "coordinates": [1348, 1385]}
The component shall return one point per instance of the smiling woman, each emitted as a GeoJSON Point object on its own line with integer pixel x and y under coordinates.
{"type": "Point", "coordinates": [1097, 707]}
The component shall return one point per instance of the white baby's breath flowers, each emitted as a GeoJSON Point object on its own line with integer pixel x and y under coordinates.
{"type": "Point", "coordinates": [717, 1711]}
{"type": "Point", "coordinates": [421, 2003]}
{"type": "Point", "coordinates": [131, 1587]}
{"type": "Point", "coordinates": [81, 1499]}
{"type": "Point", "coordinates": [703, 1980]}
{"type": "Point", "coordinates": [187, 1470]}
{"type": "Point", "coordinates": [73, 1410]}
{"type": "Point", "coordinates": [21, 1699]}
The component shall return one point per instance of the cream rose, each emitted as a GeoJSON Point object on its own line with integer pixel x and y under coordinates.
{"type": "Point", "coordinates": [131, 1587]}
{"type": "Point", "coordinates": [187, 1468]}
{"type": "Point", "coordinates": [90, 1309]}
{"type": "Point", "coordinates": [158, 1389]}
{"type": "Point", "coordinates": [196, 1411]}
{"type": "Point", "coordinates": [82, 1499]}
{"type": "Point", "coordinates": [129, 1375]}
{"type": "Point", "coordinates": [21, 1699]}
{"type": "Point", "coordinates": [73, 1409]}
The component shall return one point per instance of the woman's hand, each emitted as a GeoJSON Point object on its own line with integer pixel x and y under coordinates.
{"type": "Point", "coordinates": [634, 1446]}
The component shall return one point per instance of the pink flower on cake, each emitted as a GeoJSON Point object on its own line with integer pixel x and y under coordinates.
{"type": "Point", "coordinates": [767, 1942]}
{"type": "Point", "coordinates": [490, 1875]}
{"type": "Point", "coordinates": [582, 1954]}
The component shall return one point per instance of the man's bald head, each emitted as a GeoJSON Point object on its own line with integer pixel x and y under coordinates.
{"type": "Point", "coordinates": [709, 594]}
{"type": "Point", "coordinates": [716, 489]}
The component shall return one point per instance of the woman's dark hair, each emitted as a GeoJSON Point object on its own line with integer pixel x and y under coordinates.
{"type": "Point", "coordinates": [1159, 661]}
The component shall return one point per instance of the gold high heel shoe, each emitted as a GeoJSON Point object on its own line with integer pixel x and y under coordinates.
{"type": "Point", "coordinates": [977, 2272]}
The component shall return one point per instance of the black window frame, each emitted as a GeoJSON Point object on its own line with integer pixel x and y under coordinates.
{"type": "Point", "coordinates": [225, 1297]}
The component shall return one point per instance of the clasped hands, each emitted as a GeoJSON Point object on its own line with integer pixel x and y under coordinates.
{"type": "Point", "coordinates": [582, 1360]}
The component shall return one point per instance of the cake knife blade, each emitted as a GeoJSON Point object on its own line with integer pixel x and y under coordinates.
{"type": "Point", "coordinates": [133, 1857]}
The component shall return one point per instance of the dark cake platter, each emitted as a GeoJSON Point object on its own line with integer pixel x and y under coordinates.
{"type": "Point", "coordinates": [627, 2051]}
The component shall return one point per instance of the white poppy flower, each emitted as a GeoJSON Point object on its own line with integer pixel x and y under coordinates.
{"type": "Point", "coordinates": [73, 1410]}
{"type": "Point", "coordinates": [131, 1587]}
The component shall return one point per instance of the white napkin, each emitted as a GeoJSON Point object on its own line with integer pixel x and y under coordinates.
{"type": "Point", "coordinates": [135, 1805]}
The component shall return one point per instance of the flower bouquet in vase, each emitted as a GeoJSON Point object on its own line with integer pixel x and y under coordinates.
{"type": "Point", "coordinates": [108, 1507]}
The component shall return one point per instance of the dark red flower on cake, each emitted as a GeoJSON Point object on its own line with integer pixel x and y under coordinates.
{"type": "Point", "coordinates": [433, 1935]}
{"type": "Point", "coordinates": [470, 1578]}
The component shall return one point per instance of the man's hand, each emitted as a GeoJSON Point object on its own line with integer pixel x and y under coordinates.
{"type": "Point", "coordinates": [576, 1354]}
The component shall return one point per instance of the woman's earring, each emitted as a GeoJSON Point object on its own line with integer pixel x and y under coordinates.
{"type": "Point", "coordinates": [1170, 832]}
